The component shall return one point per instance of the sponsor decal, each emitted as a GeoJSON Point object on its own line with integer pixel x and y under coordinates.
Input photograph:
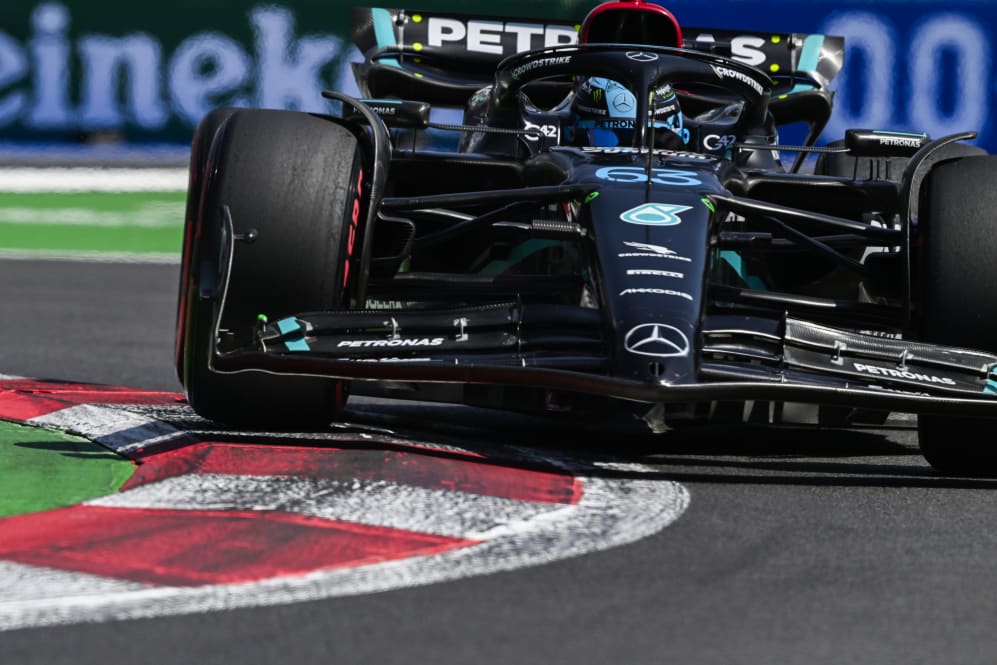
{"type": "Point", "coordinates": [655, 214]}
{"type": "Point", "coordinates": [901, 141]}
{"type": "Point", "coordinates": [497, 37]}
{"type": "Point", "coordinates": [389, 343]}
{"type": "Point", "coordinates": [383, 110]}
{"type": "Point", "coordinates": [542, 62]}
{"type": "Point", "coordinates": [623, 102]}
{"type": "Point", "coordinates": [892, 373]}
{"type": "Point", "coordinates": [664, 92]}
{"type": "Point", "coordinates": [642, 56]}
{"type": "Point", "coordinates": [743, 48]}
{"type": "Point", "coordinates": [666, 108]}
{"type": "Point", "coordinates": [638, 174]}
{"type": "Point", "coordinates": [386, 304]}
{"type": "Point", "coordinates": [616, 124]}
{"type": "Point", "coordinates": [728, 73]}
{"type": "Point", "coordinates": [547, 131]}
{"type": "Point", "coordinates": [619, 150]}
{"type": "Point", "coordinates": [641, 272]}
{"type": "Point", "coordinates": [718, 142]}
{"type": "Point", "coordinates": [64, 77]}
{"type": "Point", "coordinates": [651, 251]}
{"type": "Point", "coordinates": [353, 231]}
{"type": "Point", "coordinates": [884, 334]}
{"type": "Point", "coordinates": [658, 340]}
{"type": "Point", "coordinates": [655, 292]}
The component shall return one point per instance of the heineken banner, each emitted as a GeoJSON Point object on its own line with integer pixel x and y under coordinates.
{"type": "Point", "coordinates": [147, 71]}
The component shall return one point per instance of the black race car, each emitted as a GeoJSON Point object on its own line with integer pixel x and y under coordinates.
{"type": "Point", "coordinates": [695, 271]}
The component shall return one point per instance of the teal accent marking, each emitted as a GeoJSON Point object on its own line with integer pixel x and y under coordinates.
{"type": "Point", "coordinates": [655, 214]}
{"type": "Point", "coordinates": [384, 32]}
{"type": "Point", "coordinates": [297, 345]}
{"type": "Point", "coordinates": [916, 135]}
{"type": "Point", "coordinates": [991, 387]}
{"type": "Point", "coordinates": [520, 253]}
{"type": "Point", "coordinates": [735, 261]}
{"type": "Point", "coordinates": [288, 325]}
{"type": "Point", "coordinates": [291, 325]}
{"type": "Point", "coordinates": [810, 55]}
{"type": "Point", "coordinates": [809, 59]}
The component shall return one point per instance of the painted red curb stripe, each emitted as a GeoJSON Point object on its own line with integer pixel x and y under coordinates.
{"type": "Point", "coordinates": [189, 548]}
{"type": "Point", "coordinates": [424, 470]}
{"type": "Point", "coordinates": [23, 399]}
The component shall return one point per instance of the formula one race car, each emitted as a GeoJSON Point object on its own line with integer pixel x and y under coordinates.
{"type": "Point", "coordinates": [614, 232]}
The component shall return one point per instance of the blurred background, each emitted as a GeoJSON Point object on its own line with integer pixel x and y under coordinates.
{"type": "Point", "coordinates": [81, 71]}
{"type": "Point", "coordinates": [123, 83]}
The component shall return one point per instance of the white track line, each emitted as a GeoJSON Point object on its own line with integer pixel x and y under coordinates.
{"type": "Point", "coordinates": [29, 180]}
{"type": "Point", "coordinates": [161, 258]}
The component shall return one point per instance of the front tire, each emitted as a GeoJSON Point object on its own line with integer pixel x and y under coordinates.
{"type": "Point", "coordinates": [294, 180]}
{"type": "Point", "coordinates": [958, 281]}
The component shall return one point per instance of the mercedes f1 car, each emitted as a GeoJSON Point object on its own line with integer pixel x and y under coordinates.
{"type": "Point", "coordinates": [690, 269]}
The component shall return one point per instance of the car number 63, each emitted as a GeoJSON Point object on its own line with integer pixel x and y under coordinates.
{"type": "Point", "coordinates": [637, 174]}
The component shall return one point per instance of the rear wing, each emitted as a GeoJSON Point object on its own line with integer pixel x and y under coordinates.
{"type": "Point", "coordinates": [445, 58]}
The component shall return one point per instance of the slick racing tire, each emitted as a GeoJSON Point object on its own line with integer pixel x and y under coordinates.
{"type": "Point", "coordinates": [291, 184]}
{"type": "Point", "coordinates": [958, 281]}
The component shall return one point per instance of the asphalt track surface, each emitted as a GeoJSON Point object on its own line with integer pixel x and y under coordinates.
{"type": "Point", "coordinates": [797, 546]}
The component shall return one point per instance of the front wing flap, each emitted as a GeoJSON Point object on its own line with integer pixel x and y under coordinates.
{"type": "Point", "coordinates": [561, 347]}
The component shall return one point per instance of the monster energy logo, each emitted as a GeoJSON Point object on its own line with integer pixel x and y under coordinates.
{"type": "Point", "coordinates": [597, 94]}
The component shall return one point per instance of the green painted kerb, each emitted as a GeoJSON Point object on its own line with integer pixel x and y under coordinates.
{"type": "Point", "coordinates": [42, 469]}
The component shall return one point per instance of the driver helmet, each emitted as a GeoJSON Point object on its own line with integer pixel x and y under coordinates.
{"type": "Point", "coordinates": [604, 111]}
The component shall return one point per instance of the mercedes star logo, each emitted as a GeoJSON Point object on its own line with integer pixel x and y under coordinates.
{"type": "Point", "coordinates": [657, 339]}
{"type": "Point", "coordinates": [623, 103]}
{"type": "Point", "coordinates": [642, 56]}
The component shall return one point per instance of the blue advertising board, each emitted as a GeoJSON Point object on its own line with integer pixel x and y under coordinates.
{"type": "Point", "coordinates": [910, 66]}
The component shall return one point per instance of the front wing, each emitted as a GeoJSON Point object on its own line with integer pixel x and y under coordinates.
{"type": "Point", "coordinates": [566, 348]}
